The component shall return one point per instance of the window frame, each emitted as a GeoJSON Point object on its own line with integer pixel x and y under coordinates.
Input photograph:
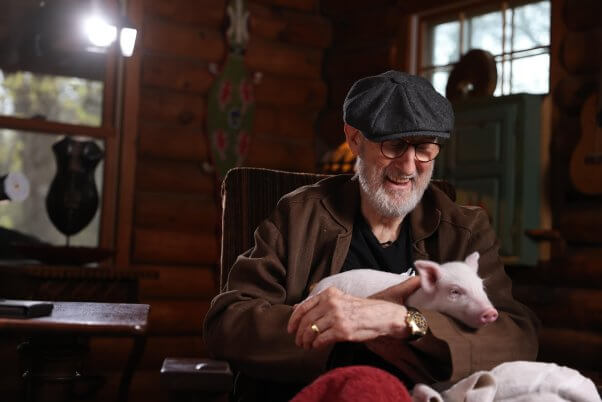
{"type": "Point", "coordinates": [461, 11]}
{"type": "Point", "coordinates": [108, 131]}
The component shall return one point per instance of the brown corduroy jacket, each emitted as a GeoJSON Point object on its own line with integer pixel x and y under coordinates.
{"type": "Point", "coordinates": [307, 238]}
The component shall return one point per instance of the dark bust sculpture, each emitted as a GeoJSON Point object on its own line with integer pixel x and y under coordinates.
{"type": "Point", "coordinates": [72, 199]}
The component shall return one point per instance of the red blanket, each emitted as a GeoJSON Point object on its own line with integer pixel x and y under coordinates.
{"type": "Point", "coordinates": [352, 384]}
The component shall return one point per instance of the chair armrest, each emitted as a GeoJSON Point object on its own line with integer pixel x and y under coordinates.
{"type": "Point", "coordinates": [196, 374]}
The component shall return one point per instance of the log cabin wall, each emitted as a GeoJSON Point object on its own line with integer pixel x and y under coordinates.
{"type": "Point", "coordinates": [173, 210]}
{"type": "Point", "coordinates": [365, 43]}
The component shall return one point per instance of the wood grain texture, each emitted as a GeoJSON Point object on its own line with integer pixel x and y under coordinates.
{"type": "Point", "coordinates": [206, 44]}
{"type": "Point", "coordinates": [178, 74]}
{"type": "Point", "coordinates": [338, 8]}
{"type": "Point", "coordinates": [291, 27]}
{"type": "Point", "coordinates": [576, 349]}
{"type": "Point", "coordinates": [169, 247]}
{"type": "Point", "coordinates": [303, 5]}
{"type": "Point", "coordinates": [290, 92]}
{"type": "Point", "coordinates": [280, 58]}
{"type": "Point", "coordinates": [359, 62]}
{"type": "Point", "coordinates": [284, 122]}
{"type": "Point", "coordinates": [182, 177]}
{"type": "Point", "coordinates": [178, 108]}
{"type": "Point", "coordinates": [572, 90]}
{"type": "Point", "coordinates": [330, 126]}
{"type": "Point", "coordinates": [199, 12]}
{"type": "Point", "coordinates": [177, 317]}
{"type": "Point", "coordinates": [366, 27]}
{"type": "Point", "coordinates": [581, 222]}
{"type": "Point", "coordinates": [577, 51]}
{"type": "Point", "coordinates": [169, 38]}
{"type": "Point", "coordinates": [111, 354]}
{"type": "Point", "coordinates": [563, 307]}
{"type": "Point", "coordinates": [180, 282]}
{"type": "Point", "coordinates": [102, 319]}
{"type": "Point", "coordinates": [164, 140]}
{"type": "Point", "coordinates": [274, 154]}
{"type": "Point", "coordinates": [582, 15]}
{"type": "Point", "coordinates": [178, 212]}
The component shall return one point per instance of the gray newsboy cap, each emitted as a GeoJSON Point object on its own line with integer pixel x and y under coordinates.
{"type": "Point", "coordinates": [396, 105]}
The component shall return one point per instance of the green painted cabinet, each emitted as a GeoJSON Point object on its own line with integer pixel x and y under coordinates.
{"type": "Point", "coordinates": [492, 159]}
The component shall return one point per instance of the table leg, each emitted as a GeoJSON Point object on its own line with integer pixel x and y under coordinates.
{"type": "Point", "coordinates": [130, 367]}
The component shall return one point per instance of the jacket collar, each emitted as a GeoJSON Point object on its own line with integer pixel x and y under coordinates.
{"type": "Point", "coordinates": [344, 202]}
{"type": "Point", "coordinates": [425, 218]}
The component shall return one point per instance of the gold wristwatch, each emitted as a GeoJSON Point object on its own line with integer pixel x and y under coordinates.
{"type": "Point", "coordinates": [416, 324]}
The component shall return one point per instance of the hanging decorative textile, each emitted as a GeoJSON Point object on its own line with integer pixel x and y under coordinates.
{"type": "Point", "coordinates": [231, 103]}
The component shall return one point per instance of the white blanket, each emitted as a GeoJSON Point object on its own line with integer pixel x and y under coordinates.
{"type": "Point", "coordinates": [518, 381]}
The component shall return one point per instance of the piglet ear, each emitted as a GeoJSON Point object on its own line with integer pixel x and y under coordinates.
{"type": "Point", "coordinates": [429, 274]}
{"type": "Point", "coordinates": [473, 260]}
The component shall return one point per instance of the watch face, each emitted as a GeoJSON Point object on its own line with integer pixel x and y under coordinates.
{"type": "Point", "coordinates": [416, 323]}
{"type": "Point", "coordinates": [420, 321]}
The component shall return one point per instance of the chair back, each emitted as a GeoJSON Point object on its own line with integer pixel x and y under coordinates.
{"type": "Point", "coordinates": [249, 195]}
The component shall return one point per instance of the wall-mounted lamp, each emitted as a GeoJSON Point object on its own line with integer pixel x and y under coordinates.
{"type": "Point", "coordinates": [127, 37]}
{"type": "Point", "coordinates": [102, 33]}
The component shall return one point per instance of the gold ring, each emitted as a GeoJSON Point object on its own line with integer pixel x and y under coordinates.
{"type": "Point", "coordinates": [315, 328]}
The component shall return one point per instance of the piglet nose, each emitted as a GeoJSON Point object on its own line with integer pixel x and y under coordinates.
{"type": "Point", "coordinates": [490, 315]}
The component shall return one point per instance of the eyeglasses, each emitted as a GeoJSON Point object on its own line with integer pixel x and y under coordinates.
{"type": "Point", "coordinates": [423, 151]}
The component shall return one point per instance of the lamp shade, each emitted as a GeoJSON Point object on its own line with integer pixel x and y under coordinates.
{"type": "Point", "coordinates": [127, 40]}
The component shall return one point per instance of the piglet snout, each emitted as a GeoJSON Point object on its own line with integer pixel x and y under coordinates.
{"type": "Point", "coordinates": [489, 316]}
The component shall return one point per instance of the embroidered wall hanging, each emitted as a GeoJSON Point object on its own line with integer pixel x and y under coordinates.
{"type": "Point", "coordinates": [231, 103]}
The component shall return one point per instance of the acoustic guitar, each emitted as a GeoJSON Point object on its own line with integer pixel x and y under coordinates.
{"type": "Point", "coordinates": [586, 161]}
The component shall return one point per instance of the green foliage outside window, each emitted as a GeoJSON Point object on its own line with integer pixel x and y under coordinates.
{"type": "Point", "coordinates": [59, 99]}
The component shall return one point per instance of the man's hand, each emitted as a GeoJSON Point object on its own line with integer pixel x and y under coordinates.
{"type": "Point", "coordinates": [340, 317]}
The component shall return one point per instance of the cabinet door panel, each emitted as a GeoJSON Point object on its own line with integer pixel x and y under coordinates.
{"type": "Point", "coordinates": [486, 160]}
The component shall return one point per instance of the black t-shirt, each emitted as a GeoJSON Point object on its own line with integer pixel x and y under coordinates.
{"type": "Point", "coordinates": [366, 251]}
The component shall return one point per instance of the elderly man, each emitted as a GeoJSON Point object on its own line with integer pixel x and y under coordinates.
{"type": "Point", "coordinates": [385, 217]}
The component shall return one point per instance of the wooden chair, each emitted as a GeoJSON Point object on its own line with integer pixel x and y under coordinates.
{"type": "Point", "coordinates": [248, 196]}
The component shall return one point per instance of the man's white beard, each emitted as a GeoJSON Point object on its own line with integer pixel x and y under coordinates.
{"type": "Point", "coordinates": [388, 204]}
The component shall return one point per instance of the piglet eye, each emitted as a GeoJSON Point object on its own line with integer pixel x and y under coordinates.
{"type": "Point", "coordinates": [454, 292]}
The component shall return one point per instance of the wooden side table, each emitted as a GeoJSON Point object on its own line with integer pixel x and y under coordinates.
{"type": "Point", "coordinates": [52, 353]}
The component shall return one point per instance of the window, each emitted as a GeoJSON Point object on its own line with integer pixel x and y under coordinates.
{"type": "Point", "coordinates": [31, 153]}
{"type": "Point", "coordinates": [517, 34]}
{"type": "Point", "coordinates": [52, 86]}
{"type": "Point", "coordinates": [69, 100]}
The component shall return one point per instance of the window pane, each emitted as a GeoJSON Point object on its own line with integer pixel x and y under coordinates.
{"type": "Point", "coordinates": [525, 27]}
{"type": "Point", "coordinates": [60, 99]}
{"type": "Point", "coordinates": [531, 25]}
{"type": "Point", "coordinates": [500, 80]}
{"type": "Point", "coordinates": [439, 80]}
{"type": "Point", "coordinates": [445, 43]}
{"type": "Point", "coordinates": [508, 30]}
{"type": "Point", "coordinates": [485, 32]}
{"type": "Point", "coordinates": [32, 155]}
{"type": "Point", "coordinates": [531, 74]}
